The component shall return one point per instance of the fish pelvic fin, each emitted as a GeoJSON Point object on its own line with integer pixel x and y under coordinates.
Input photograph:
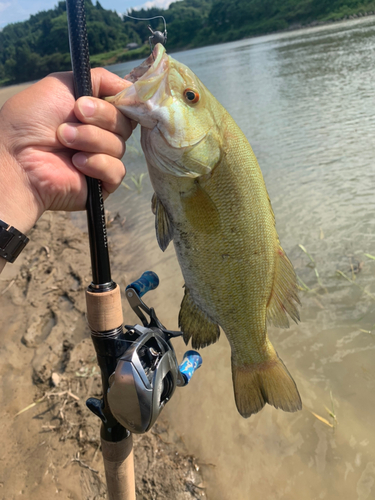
{"type": "Point", "coordinates": [196, 325]}
{"type": "Point", "coordinates": [163, 225]}
{"type": "Point", "coordinates": [268, 382]}
{"type": "Point", "coordinates": [284, 299]}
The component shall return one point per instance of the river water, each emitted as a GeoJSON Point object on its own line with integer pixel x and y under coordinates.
{"type": "Point", "coordinates": [305, 101]}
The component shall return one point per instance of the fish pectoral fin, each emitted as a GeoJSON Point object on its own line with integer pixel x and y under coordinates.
{"type": "Point", "coordinates": [268, 382]}
{"type": "Point", "coordinates": [200, 210]}
{"type": "Point", "coordinates": [196, 325]}
{"type": "Point", "coordinates": [284, 297]}
{"type": "Point", "coordinates": [163, 225]}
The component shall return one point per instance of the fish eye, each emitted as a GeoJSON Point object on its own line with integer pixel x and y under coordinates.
{"type": "Point", "coordinates": [191, 95]}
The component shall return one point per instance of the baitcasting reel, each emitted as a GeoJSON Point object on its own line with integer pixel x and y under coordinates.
{"type": "Point", "coordinates": [147, 372]}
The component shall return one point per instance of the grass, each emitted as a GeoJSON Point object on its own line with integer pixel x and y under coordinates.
{"type": "Point", "coordinates": [118, 56]}
{"type": "Point", "coordinates": [137, 181]}
{"type": "Point", "coordinates": [305, 287]}
{"type": "Point", "coordinates": [331, 412]}
{"type": "Point", "coordinates": [351, 280]}
{"type": "Point", "coordinates": [5, 82]}
{"type": "Point", "coordinates": [48, 395]}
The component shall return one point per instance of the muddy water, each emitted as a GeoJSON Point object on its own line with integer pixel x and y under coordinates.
{"type": "Point", "coordinates": [305, 100]}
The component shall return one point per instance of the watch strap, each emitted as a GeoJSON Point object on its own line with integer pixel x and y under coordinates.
{"type": "Point", "coordinates": [12, 242]}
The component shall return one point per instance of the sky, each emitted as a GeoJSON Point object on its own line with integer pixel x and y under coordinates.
{"type": "Point", "coordinates": [12, 11]}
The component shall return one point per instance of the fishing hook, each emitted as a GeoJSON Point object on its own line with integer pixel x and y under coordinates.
{"type": "Point", "coordinates": [156, 36]}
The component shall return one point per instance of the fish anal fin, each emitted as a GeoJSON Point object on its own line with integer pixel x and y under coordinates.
{"type": "Point", "coordinates": [284, 299]}
{"type": "Point", "coordinates": [163, 225]}
{"type": "Point", "coordinates": [268, 382]}
{"type": "Point", "coordinates": [196, 325]}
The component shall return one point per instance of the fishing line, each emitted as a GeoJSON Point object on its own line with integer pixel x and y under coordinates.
{"type": "Point", "coordinates": [156, 36]}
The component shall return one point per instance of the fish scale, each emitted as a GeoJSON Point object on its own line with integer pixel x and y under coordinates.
{"type": "Point", "coordinates": [211, 201]}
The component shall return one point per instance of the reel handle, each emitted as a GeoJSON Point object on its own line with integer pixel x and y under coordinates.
{"type": "Point", "coordinates": [148, 281]}
{"type": "Point", "coordinates": [191, 362]}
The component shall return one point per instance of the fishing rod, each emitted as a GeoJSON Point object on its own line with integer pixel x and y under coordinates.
{"type": "Point", "coordinates": [103, 298]}
{"type": "Point", "coordinates": [139, 369]}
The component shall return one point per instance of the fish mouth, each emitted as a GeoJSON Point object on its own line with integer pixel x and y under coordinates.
{"type": "Point", "coordinates": [153, 64]}
{"type": "Point", "coordinates": [153, 74]}
{"type": "Point", "coordinates": [146, 79]}
{"type": "Point", "coordinates": [150, 88]}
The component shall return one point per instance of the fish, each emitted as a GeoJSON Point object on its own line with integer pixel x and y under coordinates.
{"type": "Point", "coordinates": [210, 199]}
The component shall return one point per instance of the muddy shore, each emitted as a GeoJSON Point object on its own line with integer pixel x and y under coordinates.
{"type": "Point", "coordinates": [49, 439]}
{"type": "Point", "coordinates": [51, 449]}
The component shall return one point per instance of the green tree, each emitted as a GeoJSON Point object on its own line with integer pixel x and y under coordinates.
{"type": "Point", "coordinates": [31, 49]}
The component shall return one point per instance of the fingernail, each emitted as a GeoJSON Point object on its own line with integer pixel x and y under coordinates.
{"type": "Point", "coordinates": [68, 133]}
{"type": "Point", "coordinates": [79, 160]}
{"type": "Point", "coordinates": [87, 107]}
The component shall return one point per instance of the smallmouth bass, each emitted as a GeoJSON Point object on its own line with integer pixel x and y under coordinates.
{"type": "Point", "coordinates": [211, 201]}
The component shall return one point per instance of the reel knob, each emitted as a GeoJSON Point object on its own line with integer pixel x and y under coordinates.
{"type": "Point", "coordinates": [191, 362]}
{"type": "Point", "coordinates": [148, 281]}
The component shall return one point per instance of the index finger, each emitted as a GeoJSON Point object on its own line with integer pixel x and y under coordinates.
{"type": "Point", "coordinates": [104, 115]}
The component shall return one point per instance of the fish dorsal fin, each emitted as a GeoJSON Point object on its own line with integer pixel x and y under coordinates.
{"type": "Point", "coordinates": [195, 324]}
{"type": "Point", "coordinates": [163, 226]}
{"type": "Point", "coordinates": [284, 297]}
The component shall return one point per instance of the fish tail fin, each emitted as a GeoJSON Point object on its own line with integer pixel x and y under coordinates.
{"type": "Point", "coordinates": [268, 382]}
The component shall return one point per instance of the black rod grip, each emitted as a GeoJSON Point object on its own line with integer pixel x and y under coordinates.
{"type": "Point", "coordinates": [79, 50]}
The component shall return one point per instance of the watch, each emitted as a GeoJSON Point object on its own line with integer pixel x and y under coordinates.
{"type": "Point", "coordinates": [12, 242]}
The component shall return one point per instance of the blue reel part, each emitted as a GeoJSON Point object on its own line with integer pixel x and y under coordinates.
{"type": "Point", "coordinates": [148, 281]}
{"type": "Point", "coordinates": [191, 362]}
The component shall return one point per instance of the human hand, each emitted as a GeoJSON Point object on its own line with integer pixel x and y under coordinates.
{"type": "Point", "coordinates": [40, 134]}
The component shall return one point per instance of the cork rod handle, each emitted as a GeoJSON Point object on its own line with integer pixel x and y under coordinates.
{"type": "Point", "coordinates": [119, 468]}
{"type": "Point", "coordinates": [104, 310]}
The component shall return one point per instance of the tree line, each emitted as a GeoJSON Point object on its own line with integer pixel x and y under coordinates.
{"type": "Point", "coordinates": [31, 49]}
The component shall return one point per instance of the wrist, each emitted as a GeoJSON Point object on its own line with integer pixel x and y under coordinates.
{"type": "Point", "coordinates": [18, 206]}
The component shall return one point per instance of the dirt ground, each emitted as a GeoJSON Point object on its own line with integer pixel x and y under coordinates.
{"type": "Point", "coordinates": [49, 439]}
